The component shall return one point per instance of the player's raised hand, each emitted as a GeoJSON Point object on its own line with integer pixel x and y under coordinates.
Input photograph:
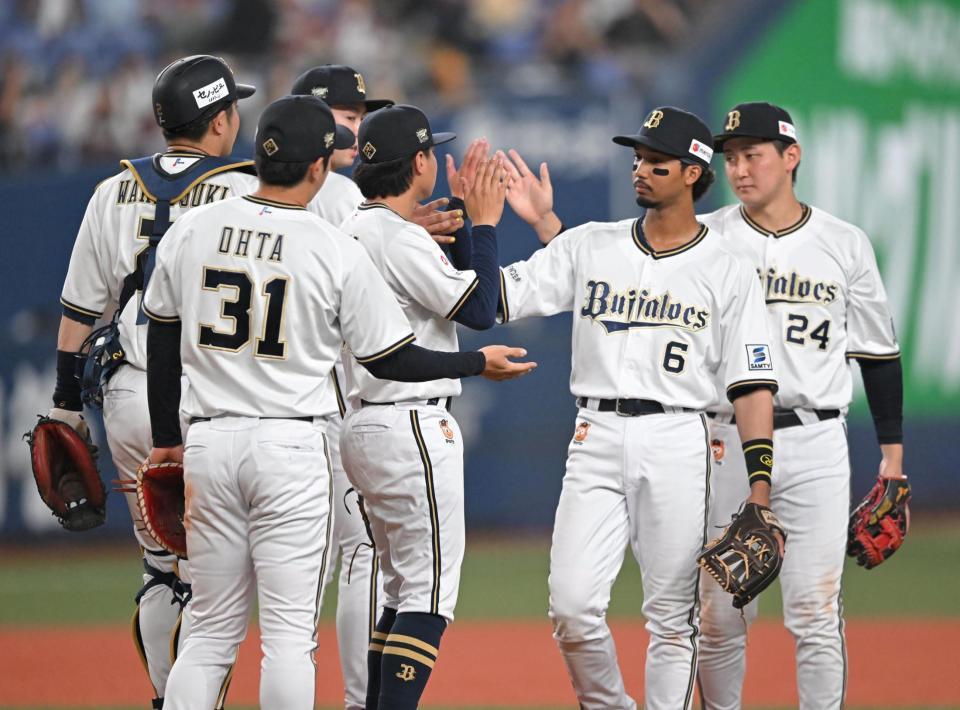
{"type": "Point", "coordinates": [486, 197]}
{"type": "Point", "coordinates": [439, 223]}
{"type": "Point", "coordinates": [530, 196]}
{"type": "Point", "coordinates": [460, 181]}
{"type": "Point", "coordinates": [499, 365]}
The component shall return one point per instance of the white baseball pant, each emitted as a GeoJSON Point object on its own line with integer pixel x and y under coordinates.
{"type": "Point", "coordinates": [811, 497]}
{"type": "Point", "coordinates": [638, 481]}
{"type": "Point", "coordinates": [359, 586]}
{"type": "Point", "coordinates": [407, 462]}
{"type": "Point", "coordinates": [257, 519]}
{"type": "Point", "coordinates": [158, 623]}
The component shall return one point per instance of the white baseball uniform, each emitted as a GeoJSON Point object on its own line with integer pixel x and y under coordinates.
{"type": "Point", "coordinates": [359, 583]}
{"type": "Point", "coordinates": [653, 330]}
{"type": "Point", "coordinates": [405, 455]}
{"type": "Point", "coordinates": [112, 238]}
{"type": "Point", "coordinates": [238, 276]}
{"type": "Point", "coordinates": [825, 305]}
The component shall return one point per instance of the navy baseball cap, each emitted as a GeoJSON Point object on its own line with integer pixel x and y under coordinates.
{"type": "Point", "coordinates": [299, 129]}
{"type": "Point", "coordinates": [337, 85]}
{"type": "Point", "coordinates": [757, 119]}
{"type": "Point", "coordinates": [396, 132]}
{"type": "Point", "coordinates": [675, 132]}
{"type": "Point", "coordinates": [194, 88]}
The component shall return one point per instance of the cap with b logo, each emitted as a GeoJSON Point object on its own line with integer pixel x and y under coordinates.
{"type": "Point", "coordinates": [675, 132]}
{"type": "Point", "coordinates": [337, 85]}
{"type": "Point", "coordinates": [193, 89]}
{"type": "Point", "coordinates": [396, 132]}
{"type": "Point", "coordinates": [299, 129]}
{"type": "Point", "coordinates": [757, 120]}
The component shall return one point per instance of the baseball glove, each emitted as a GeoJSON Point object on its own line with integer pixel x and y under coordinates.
{"type": "Point", "coordinates": [745, 558]}
{"type": "Point", "coordinates": [879, 524]}
{"type": "Point", "coordinates": [65, 469]}
{"type": "Point", "coordinates": [160, 498]}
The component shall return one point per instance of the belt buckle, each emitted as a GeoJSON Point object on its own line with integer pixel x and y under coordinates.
{"type": "Point", "coordinates": [620, 412]}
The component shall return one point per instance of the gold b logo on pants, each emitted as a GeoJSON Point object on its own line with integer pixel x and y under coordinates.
{"type": "Point", "coordinates": [653, 120]}
{"type": "Point", "coordinates": [733, 120]}
{"type": "Point", "coordinates": [406, 672]}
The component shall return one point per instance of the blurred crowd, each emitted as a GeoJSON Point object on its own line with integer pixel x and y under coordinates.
{"type": "Point", "coordinates": [76, 75]}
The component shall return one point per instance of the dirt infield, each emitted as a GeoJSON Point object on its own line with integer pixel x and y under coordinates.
{"type": "Point", "coordinates": [494, 663]}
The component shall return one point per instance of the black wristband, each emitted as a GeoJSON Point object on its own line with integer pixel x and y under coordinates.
{"type": "Point", "coordinates": [758, 454]}
{"type": "Point", "coordinates": [67, 393]}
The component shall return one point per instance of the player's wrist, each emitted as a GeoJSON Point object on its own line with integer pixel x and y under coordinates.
{"type": "Point", "coordinates": [758, 454]}
{"type": "Point", "coordinates": [547, 226]}
{"type": "Point", "coordinates": [67, 392]}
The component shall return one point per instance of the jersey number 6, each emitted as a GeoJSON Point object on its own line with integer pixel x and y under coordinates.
{"type": "Point", "coordinates": [269, 344]}
{"type": "Point", "coordinates": [673, 357]}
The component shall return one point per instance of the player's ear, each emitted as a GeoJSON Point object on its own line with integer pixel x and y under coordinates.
{"type": "Point", "coordinates": [791, 156]}
{"type": "Point", "coordinates": [420, 162]}
{"type": "Point", "coordinates": [691, 173]}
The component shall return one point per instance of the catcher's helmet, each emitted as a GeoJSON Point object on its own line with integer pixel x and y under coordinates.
{"type": "Point", "coordinates": [193, 89]}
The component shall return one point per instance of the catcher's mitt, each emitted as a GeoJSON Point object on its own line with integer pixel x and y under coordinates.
{"type": "Point", "coordinates": [65, 469]}
{"type": "Point", "coordinates": [160, 498]}
{"type": "Point", "coordinates": [879, 524]}
{"type": "Point", "coordinates": [746, 558]}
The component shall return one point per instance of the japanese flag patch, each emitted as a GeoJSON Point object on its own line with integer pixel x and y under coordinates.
{"type": "Point", "coordinates": [758, 357]}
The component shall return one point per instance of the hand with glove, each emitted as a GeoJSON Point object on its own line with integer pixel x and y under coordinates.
{"type": "Point", "coordinates": [879, 525]}
{"type": "Point", "coordinates": [161, 498]}
{"type": "Point", "coordinates": [746, 557]}
{"type": "Point", "coordinates": [64, 462]}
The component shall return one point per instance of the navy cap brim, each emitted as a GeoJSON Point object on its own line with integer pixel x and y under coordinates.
{"type": "Point", "coordinates": [374, 104]}
{"type": "Point", "coordinates": [440, 138]}
{"type": "Point", "coordinates": [722, 138]}
{"type": "Point", "coordinates": [245, 91]}
{"type": "Point", "coordinates": [634, 141]}
{"type": "Point", "coordinates": [343, 137]}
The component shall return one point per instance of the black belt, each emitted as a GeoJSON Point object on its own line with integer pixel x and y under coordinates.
{"type": "Point", "coordinates": [785, 418]}
{"type": "Point", "coordinates": [434, 401]}
{"type": "Point", "coordinates": [194, 420]}
{"type": "Point", "coordinates": [626, 407]}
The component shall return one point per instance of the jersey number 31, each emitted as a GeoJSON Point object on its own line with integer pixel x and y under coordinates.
{"type": "Point", "coordinates": [237, 309]}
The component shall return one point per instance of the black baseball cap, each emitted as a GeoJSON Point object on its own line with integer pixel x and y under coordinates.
{"type": "Point", "coordinates": [194, 88]}
{"type": "Point", "coordinates": [675, 132]}
{"type": "Point", "coordinates": [757, 119]}
{"type": "Point", "coordinates": [396, 132]}
{"type": "Point", "coordinates": [299, 129]}
{"type": "Point", "coordinates": [338, 85]}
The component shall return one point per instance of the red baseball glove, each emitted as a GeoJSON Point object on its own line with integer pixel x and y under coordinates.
{"type": "Point", "coordinates": [160, 497]}
{"type": "Point", "coordinates": [879, 524]}
{"type": "Point", "coordinates": [65, 469]}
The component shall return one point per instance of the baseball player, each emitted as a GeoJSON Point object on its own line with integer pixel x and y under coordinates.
{"type": "Point", "coordinates": [826, 305]}
{"type": "Point", "coordinates": [195, 105]}
{"type": "Point", "coordinates": [401, 447]}
{"type": "Point", "coordinates": [344, 90]}
{"type": "Point", "coordinates": [663, 308]}
{"type": "Point", "coordinates": [231, 281]}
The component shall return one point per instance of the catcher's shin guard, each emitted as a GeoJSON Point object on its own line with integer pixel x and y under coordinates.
{"type": "Point", "coordinates": [157, 620]}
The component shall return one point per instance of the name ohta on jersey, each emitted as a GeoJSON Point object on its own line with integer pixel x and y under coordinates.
{"type": "Point", "coordinates": [637, 308]}
{"type": "Point", "coordinates": [129, 192]}
{"type": "Point", "coordinates": [250, 242]}
{"type": "Point", "coordinates": [793, 288]}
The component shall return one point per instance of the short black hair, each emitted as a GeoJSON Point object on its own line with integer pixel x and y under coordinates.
{"type": "Point", "coordinates": [278, 174]}
{"type": "Point", "coordinates": [196, 130]}
{"type": "Point", "coordinates": [387, 179]}
{"type": "Point", "coordinates": [782, 146]}
{"type": "Point", "coordinates": [703, 183]}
